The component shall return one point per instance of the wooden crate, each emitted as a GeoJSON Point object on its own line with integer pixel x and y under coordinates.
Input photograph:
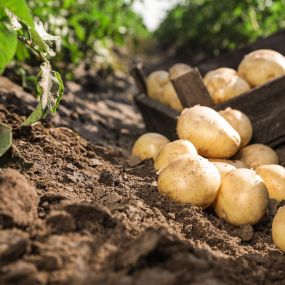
{"type": "Point", "coordinates": [264, 105]}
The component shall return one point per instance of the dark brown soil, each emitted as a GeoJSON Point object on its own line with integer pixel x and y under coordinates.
{"type": "Point", "coordinates": [100, 219]}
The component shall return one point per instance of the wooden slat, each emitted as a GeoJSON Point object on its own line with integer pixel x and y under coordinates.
{"type": "Point", "coordinates": [191, 89]}
{"type": "Point", "coordinates": [157, 117]}
{"type": "Point", "coordinates": [140, 78]}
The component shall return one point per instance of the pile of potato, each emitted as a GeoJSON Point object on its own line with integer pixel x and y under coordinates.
{"type": "Point", "coordinates": [212, 164]}
{"type": "Point", "coordinates": [257, 68]}
{"type": "Point", "coordinates": [160, 88]}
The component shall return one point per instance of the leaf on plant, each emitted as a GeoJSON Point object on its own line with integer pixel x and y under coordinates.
{"type": "Point", "coordinates": [20, 9]}
{"type": "Point", "coordinates": [39, 27]}
{"type": "Point", "coordinates": [8, 45]}
{"type": "Point", "coordinates": [37, 114]}
{"type": "Point", "coordinates": [50, 88]}
{"type": "Point", "coordinates": [5, 138]}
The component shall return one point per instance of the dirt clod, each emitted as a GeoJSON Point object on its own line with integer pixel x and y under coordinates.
{"type": "Point", "coordinates": [18, 200]}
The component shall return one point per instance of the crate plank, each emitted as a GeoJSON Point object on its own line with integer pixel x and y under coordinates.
{"type": "Point", "coordinates": [140, 78]}
{"type": "Point", "coordinates": [157, 117]}
{"type": "Point", "coordinates": [191, 89]}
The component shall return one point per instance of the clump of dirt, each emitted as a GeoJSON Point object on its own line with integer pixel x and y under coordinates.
{"type": "Point", "coordinates": [100, 219]}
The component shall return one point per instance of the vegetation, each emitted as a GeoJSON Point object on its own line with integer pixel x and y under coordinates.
{"type": "Point", "coordinates": [215, 26]}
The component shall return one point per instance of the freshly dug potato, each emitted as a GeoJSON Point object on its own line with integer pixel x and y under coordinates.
{"type": "Point", "coordinates": [224, 168]}
{"type": "Point", "coordinates": [262, 65]}
{"type": "Point", "coordinates": [171, 151]}
{"type": "Point", "coordinates": [278, 229]}
{"type": "Point", "coordinates": [240, 122]}
{"type": "Point", "coordinates": [190, 179]}
{"type": "Point", "coordinates": [224, 84]}
{"type": "Point", "coordinates": [255, 155]}
{"type": "Point", "coordinates": [242, 198]}
{"type": "Point", "coordinates": [170, 97]}
{"type": "Point", "coordinates": [274, 178]}
{"type": "Point", "coordinates": [155, 84]}
{"type": "Point", "coordinates": [148, 145]}
{"type": "Point", "coordinates": [210, 133]}
{"type": "Point", "coordinates": [235, 163]}
{"type": "Point", "coordinates": [178, 69]}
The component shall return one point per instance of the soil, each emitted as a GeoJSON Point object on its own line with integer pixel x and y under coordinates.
{"type": "Point", "coordinates": [90, 214]}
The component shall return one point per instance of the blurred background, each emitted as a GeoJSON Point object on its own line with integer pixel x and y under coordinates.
{"type": "Point", "coordinates": [101, 36]}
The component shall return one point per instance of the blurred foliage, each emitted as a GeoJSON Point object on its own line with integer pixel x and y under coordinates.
{"type": "Point", "coordinates": [214, 26]}
{"type": "Point", "coordinates": [83, 25]}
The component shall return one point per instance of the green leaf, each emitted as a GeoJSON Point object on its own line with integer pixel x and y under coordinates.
{"type": "Point", "coordinates": [8, 45]}
{"type": "Point", "coordinates": [50, 88]}
{"type": "Point", "coordinates": [37, 115]}
{"type": "Point", "coordinates": [20, 9]}
{"type": "Point", "coordinates": [5, 138]}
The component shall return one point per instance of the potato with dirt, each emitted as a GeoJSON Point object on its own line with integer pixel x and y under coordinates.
{"type": "Point", "coordinates": [179, 69]}
{"type": "Point", "coordinates": [155, 84]}
{"type": "Point", "coordinates": [190, 179]}
{"type": "Point", "coordinates": [255, 155]}
{"type": "Point", "coordinates": [171, 98]}
{"type": "Point", "coordinates": [224, 84]}
{"type": "Point", "coordinates": [171, 151]}
{"type": "Point", "coordinates": [242, 199]}
{"type": "Point", "coordinates": [261, 66]}
{"type": "Point", "coordinates": [278, 229]}
{"type": "Point", "coordinates": [224, 168]}
{"type": "Point", "coordinates": [240, 122]}
{"type": "Point", "coordinates": [235, 163]}
{"type": "Point", "coordinates": [274, 178]}
{"type": "Point", "coordinates": [148, 145]}
{"type": "Point", "coordinates": [210, 133]}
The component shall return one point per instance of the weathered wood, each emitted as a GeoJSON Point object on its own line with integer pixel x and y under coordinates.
{"type": "Point", "coordinates": [157, 117]}
{"type": "Point", "coordinates": [265, 106]}
{"type": "Point", "coordinates": [140, 78]}
{"type": "Point", "coordinates": [191, 90]}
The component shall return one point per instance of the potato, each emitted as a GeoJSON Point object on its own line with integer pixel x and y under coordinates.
{"type": "Point", "coordinates": [155, 84]}
{"type": "Point", "coordinates": [260, 66]}
{"type": "Point", "coordinates": [278, 229]}
{"type": "Point", "coordinates": [210, 133]}
{"type": "Point", "coordinates": [178, 69]}
{"type": "Point", "coordinates": [148, 145]}
{"type": "Point", "coordinates": [170, 97]}
{"type": "Point", "coordinates": [255, 155]}
{"type": "Point", "coordinates": [242, 198]}
{"type": "Point", "coordinates": [223, 168]}
{"type": "Point", "coordinates": [240, 122]}
{"type": "Point", "coordinates": [171, 151]}
{"type": "Point", "coordinates": [274, 178]}
{"type": "Point", "coordinates": [235, 163]}
{"type": "Point", "coordinates": [224, 84]}
{"type": "Point", "coordinates": [190, 179]}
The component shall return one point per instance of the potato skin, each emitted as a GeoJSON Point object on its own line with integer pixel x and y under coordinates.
{"type": "Point", "coordinates": [148, 145]}
{"type": "Point", "coordinates": [224, 84]}
{"type": "Point", "coordinates": [170, 97]}
{"type": "Point", "coordinates": [235, 163]}
{"type": "Point", "coordinates": [155, 84]}
{"type": "Point", "coordinates": [190, 179]}
{"type": "Point", "coordinates": [171, 151]}
{"type": "Point", "coordinates": [274, 178]}
{"type": "Point", "coordinates": [255, 155]}
{"type": "Point", "coordinates": [278, 229]}
{"type": "Point", "coordinates": [224, 168]}
{"type": "Point", "coordinates": [242, 198]}
{"type": "Point", "coordinates": [240, 122]}
{"type": "Point", "coordinates": [178, 69]}
{"type": "Point", "coordinates": [260, 66]}
{"type": "Point", "coordinates": [210, 133]}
